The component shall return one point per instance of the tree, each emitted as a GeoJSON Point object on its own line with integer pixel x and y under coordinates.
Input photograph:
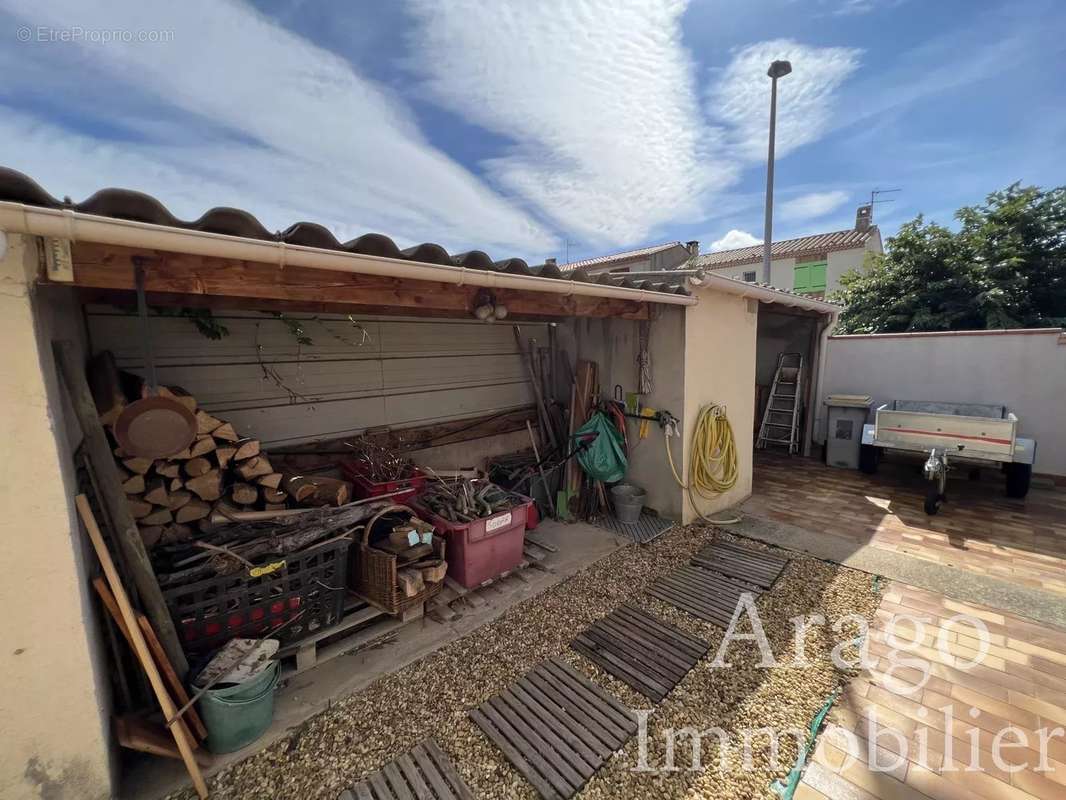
{"type": "Point", "coordinates": [1004, 268]}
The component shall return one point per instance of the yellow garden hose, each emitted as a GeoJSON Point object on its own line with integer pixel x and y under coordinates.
{"type": "Point", "coordinates": [713, 469]}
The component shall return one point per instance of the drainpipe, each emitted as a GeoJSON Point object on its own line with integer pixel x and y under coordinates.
{"type": "Point", "coordinates": [78, 227]}
{"type": "Point", "coordinates": [821, 348]}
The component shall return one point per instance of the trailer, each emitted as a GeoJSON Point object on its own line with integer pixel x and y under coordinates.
{"type": "Point", "coordinates": [949, 436]}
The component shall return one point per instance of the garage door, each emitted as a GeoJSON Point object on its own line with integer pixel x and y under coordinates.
{"type": "Point", "coordinates": [354, 373]}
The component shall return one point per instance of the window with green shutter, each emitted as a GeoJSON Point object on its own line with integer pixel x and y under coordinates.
{"type": "Point", "coordinates": [809, 277]}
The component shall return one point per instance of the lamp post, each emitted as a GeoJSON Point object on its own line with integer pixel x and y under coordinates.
{"type": "Point", "coordinates": [778, 69]}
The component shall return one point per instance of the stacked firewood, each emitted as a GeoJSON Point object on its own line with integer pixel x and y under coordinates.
{"type": "Point", "coordinates": [221, 473]}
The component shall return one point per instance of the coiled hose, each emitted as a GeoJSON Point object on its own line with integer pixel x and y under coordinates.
{"type": "Point", "coordinates": [714, 469]}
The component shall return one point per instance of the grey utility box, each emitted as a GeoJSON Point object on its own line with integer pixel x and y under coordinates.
{"type": "Point", "coordinates": [847, 415]}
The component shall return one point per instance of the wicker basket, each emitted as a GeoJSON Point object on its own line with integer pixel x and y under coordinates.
{"type": "Point", "coordinates": [372, 572]}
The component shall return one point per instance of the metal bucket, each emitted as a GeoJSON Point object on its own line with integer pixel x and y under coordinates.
{"type": "Point", "coordinates": [238, 715]}
{"type": "Point", "coordinates": [628, 502]}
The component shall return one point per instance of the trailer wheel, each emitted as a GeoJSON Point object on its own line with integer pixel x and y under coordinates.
{"type": "Point", "coordinates": [869, 458]}
{"type": "Point", "coordinates": [933, 499]}
{"type": "Point", "coordinates": [1018, 476]}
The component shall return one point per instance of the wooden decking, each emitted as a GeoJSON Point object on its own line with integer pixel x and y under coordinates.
{"type": "Point", "coordinates": [979, 528]}
{"type": "Point", "coordinates": [1019, 686]}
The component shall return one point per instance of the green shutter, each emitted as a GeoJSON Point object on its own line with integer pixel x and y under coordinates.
{"type": "Point", "coordinates": [809, 277]}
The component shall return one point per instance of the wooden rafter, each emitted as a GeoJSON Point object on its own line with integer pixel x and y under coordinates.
{"type": "Point", "coordinates": [106, 272]}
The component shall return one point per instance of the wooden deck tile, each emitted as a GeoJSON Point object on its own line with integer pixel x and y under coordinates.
{"type": "Point", "coordinates": [424, 772]}
{"type": "Point", "coordinates": [756, 567]}
{"type": "Point", "coordinates": [702, 593]}
{"type": "Point", "coordinates": [556, 727]}
{"type": "Point", "coordinates": [650, 655]}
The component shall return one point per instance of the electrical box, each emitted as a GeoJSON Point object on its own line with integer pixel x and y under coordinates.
{"type": "Point", "coordinates": [843, 441]}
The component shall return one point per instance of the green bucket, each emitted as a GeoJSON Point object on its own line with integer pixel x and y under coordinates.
{"type": "Point", "coordinates": [238, 715]}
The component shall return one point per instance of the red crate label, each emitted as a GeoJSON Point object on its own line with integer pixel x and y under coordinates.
{"type": "Point", "coordinates": [495, 523]}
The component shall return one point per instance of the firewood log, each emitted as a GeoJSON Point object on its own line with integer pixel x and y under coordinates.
{"type": "Point", "coordinates": [244, 494]}
{"type": "Point", "coordinates": [176, 484]}
{"type": "Point", "coordinates": [205, 423]}
{"type": "Point", "coordinates": [273, 480]}
{"type": "Point", "coordinates": [223, 455]}
{"type": "Point", "coordinates": [138, 465]}
{"type": "Point", "coordinates": [133, 484]}
{"type": "Point", "coordinates": [178, 499]}
{"type": "Point", "coordinates": [150, 534]}
{"type": "Point", "coordinates": [273, 506]}
{"type": "Point", "coordinates": [176, 533]}
{"type": "Point", "coordinates": [139, 509]}
{"type": "Point", "coordinates": [179, 394]}
{"type": "Point", "coordinates": [254, 467]}
{"type": "Point", "coordinates": [195, 467]}
{"type": "Point", "coordinates": [167, 469]}
{"type": "Point", "coordinates": [317, 491]}
{"type": "Point", "coordinates": [273, 496]}
{"type": "Point", "coordinates": [160, 516]}
{"type": "Point", "coordinates": [202, 446]}
{"type": "Point", "coordinates": [207, 486]}
{"type": "Point", "coordinates": [246, 448]}
{"type": "Point", "coordinates": [226, 433]}
{"type": "Point", "coordinates": [183, 455]}
{"type": "Point", "coordinates": [156, 492]}
{"type": "Point", "coordinates": [193, 510]}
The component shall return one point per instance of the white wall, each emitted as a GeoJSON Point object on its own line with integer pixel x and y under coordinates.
{"type": "Point", "coordinates": [1025, 371]}
{"type": "Point", "coordinates": [53, 707]}
{"type": "Point", "coordinates": [782, 270]}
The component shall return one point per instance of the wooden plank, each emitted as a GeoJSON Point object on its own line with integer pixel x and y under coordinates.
{"type": "Point", "coordinates": [502, 735]}
{"type": "Point", "coordinates": [757, 567]}
{"type": "Point", "coordinates": [113, 498]}
{"type": "Point", "coordinates": [589, 709]}
{"type": "Point", "coordinates": [570, 749]}
{"type": "Point", "coordinates": [569, 780]}
{"type": "Point", "coordinates": [651, 660]}
{"type": "Point", "coordinates": [618, 712]}
{"type": "Point", "coordinates": [682, 639]}
{"type": "Point", "coordinates": [396, 781]}
{"type": "Point", "coordinates": [172, 679]}
{"type": "Point", "coordinates": [564, 711]}
{"type": "Point", "coordinates": [621, 669]}
{"type": "Point", "coordinates": [414, 777]}
{"type": "Point", "coordinates": [191, 280]}
{"type": "Point", "coordinates": [446, 767]}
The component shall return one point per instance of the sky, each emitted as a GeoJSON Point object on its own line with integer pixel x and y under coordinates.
{"type": "Point", "coordinates": [555, 128]}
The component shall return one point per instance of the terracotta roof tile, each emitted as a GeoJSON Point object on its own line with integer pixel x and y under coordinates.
{"type": "Point", "coordinates": [788, 248]}
{"type": "Point", "coordinates": [137, 206]}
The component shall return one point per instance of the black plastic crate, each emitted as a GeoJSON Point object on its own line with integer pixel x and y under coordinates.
{"type": "Point", "coordinates": [210, 612]}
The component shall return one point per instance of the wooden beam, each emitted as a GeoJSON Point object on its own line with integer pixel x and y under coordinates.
{"type": "Point", "coordinates": [113, 499]}
{"type": "Point", "coordinates": [191, 280]}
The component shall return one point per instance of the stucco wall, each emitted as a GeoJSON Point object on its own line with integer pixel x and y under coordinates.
{"type": "Point", "coordinates": [52, 707]}
{"type": "Point", "coordinates": [782, 270]}
{"type": "Point", "coordinates": [1024, 371]}
{"type": "Point", "coordinates": [613, 345]}
{"type": "Point", "coordinates": [719, 367]}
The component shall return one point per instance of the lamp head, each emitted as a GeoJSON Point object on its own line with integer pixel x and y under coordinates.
{"type": "Point", "coordinates": [779, 69]}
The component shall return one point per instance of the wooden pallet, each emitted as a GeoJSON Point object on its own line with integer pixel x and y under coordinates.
{"type": "Point", "coordinates": [757, 567]}
{"type": "Point", "coordinates": [556, 727]}
{"type": "Point", "coordinates": [650, 655]}
{"type": "Point", "coordinates": [701, 593]}
{"type": "Point", "coordinates": [424, 772]}
{"type": "Point", "coordinates": [361, 624]}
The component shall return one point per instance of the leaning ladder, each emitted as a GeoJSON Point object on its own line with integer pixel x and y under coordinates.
{"type": "Point", "coordinates": [780, 421]}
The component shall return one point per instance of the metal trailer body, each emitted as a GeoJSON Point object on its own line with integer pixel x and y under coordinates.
{"type": "Point", "coordinates": [948, 435]}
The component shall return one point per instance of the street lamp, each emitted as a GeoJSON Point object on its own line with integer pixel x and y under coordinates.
{"type": "Point", "coordinates": [778, 69]}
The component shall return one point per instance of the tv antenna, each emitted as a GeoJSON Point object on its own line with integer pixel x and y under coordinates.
{"type": "Point", "coordinates": [568, 243]}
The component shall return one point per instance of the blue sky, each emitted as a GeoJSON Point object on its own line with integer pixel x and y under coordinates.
{"type": "Point", "coordinates": [518, 127]}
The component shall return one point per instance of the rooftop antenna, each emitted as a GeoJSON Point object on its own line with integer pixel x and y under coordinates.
{"type": "Point", "coordinates": [568, 243]}
{"type": "Point", "coordinates": [875, 198]}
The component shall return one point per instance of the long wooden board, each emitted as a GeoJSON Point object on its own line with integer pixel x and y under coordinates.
{"type": "Point", "coordinates": [757, 567]}
{"type": "Point", "coordinates": [556, 727]}
{"type": "Point", "coordinates": [424, 771]}
{"type": "Point", "coordinates": [641, 650]}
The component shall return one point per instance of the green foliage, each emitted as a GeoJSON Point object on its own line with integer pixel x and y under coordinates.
{"type": "Point", "coordinates": [1004, 268]}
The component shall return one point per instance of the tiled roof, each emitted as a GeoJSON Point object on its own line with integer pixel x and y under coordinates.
{"type": "Point", "coordinates": [789, 248]}
{"type": "Point", "coordinates": [132, 205]}
{"type": "Point", "coordinates": [680, 277]}
{"type": "Point", "coordinates": [628, 255]}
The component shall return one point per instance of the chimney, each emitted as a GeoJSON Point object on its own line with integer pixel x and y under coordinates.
{"type": "Point", "coordinates": [693, 247]}
{"type": "Point", "coordinates": [864, 217]}
{"type": "Point", "coordinates": [549, 262]}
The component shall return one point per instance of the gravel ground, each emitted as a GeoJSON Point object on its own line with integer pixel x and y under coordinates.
{"type": "Point", "coordinates": [432, 696]}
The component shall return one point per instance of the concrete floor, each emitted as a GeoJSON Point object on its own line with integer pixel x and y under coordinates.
{"type": "Point", "coordinates": [306, 694]}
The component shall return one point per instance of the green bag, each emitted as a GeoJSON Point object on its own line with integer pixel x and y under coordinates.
{"type": "Point", "coordinates": [604, 459]}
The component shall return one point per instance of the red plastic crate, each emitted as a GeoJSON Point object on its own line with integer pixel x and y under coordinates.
{"type": "Point", "coordinates": [363, 487]}
{"type": "Point", "coordinates": [483, 549]}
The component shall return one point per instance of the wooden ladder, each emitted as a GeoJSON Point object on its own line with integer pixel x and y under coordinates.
{"type": "Point", "coordinates": [781, 419]}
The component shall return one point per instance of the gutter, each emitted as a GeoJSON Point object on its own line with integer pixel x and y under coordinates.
{"type": "Point", "coordinates": [755, 291]}
{"type": "Point", "coordinates": [77, 227]}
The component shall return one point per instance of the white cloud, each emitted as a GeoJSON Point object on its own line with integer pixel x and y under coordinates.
{"type": "Point", "coordinates": [733, 240]}
{"type": "Point", "coordinates": [813, 205]}
{"type": "Point", "coordinates": [741, 96]}
{"type": "Point", "coordinates": [242, 112]}
{"type": "Point", "coordinates": [598, 99]}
